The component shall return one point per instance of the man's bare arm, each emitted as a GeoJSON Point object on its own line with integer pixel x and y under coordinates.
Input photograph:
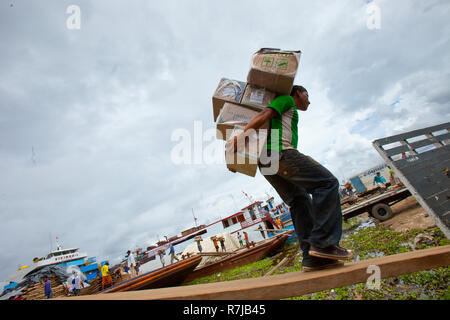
{"type": "Point", "coordinates": [257, 122]}
{"type": "Point", "coordinates": [261, 118]}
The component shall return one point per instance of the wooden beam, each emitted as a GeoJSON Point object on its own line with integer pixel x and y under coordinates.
{"type": "Point", "coordinates": [288, 230]}
{"type": "Point", "coordinates": [220, 253]}
{"type": "Point", "coordinates": [293, 283]}
{"type": "Point", "coordinates": [278, 266]}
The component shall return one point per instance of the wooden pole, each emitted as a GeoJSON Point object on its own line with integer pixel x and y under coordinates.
{"type": "Point", "coordinates": [274, 230]}
{"type": "Point", "coordinates": [215, 254]}
{"type": "Point", "coordinates": [278, 266]}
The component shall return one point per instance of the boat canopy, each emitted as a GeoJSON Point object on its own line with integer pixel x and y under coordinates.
{"type": "Point", "coordinates": [61, 252]}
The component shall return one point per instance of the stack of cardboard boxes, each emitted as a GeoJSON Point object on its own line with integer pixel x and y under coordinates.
{"type": "Point", "coordinates": [235, 103]}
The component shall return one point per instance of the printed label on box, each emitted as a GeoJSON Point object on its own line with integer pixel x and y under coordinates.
{"type": "Point", "coordinates": [267, 62]}
{"type": "Point", "coordinates": [257, 96]}
{"type": "Point", "coordinates": [282, 64]}
{"type": "Point", "coordinates": [229, 91]}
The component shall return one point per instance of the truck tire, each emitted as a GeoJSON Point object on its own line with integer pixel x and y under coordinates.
{"type": "Point", "coordinates": [382, 212]}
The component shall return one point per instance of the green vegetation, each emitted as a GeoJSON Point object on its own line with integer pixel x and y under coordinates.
{"type": "Point", "coordinates": [379, 241]}
{"type": "Point", "coordinates": [252, 270]}
{"type": "Point", "coordinates": [366, 243]}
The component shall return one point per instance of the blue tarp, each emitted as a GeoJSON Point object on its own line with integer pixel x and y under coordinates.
{"type": "Point", "coordinates": [10, 285]}
{"type": "Point", "coordinates": [35, 277]}
{"type": "Point", "coordinates": [91, 275]}
{"type": "Point", "coordinates": [89, 267]}
{"type": "Point", "coordinates": [77, 262]}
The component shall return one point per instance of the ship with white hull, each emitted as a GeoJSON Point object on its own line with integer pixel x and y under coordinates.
{"type": "Point", "coordinates": [63, 257]}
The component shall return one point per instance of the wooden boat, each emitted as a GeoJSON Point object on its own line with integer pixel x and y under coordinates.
{"type": "Point", "coordinates": [171, 275]}
{"type": "Point", "coordinates": [150, 254]}
{"type": "Point", "coordinates": [188, 236]}
{"type": "Point", "coordinates": [241, 257]}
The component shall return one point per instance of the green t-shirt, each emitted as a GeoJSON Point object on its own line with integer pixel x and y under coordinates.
{"type": "Point", "coordinates": [283, 127]}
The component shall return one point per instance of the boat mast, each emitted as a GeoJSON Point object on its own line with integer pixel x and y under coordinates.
{"type": "Point", "coordinates": [58, 246]}
{"type": "Point", "coordinates": [195, 219]}
{"type": "Point", "coordinates": [250, 199]}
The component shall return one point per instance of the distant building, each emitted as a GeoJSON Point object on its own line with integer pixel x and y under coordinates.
{"type": "Point", "coordinates": [364, 180]}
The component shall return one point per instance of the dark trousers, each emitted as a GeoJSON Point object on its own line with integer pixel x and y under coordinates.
{"type": "Point", "coordinates": [312, 192]}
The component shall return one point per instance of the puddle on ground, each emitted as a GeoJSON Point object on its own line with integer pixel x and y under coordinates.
{"type": "Point", "coordinates": [365, 225]}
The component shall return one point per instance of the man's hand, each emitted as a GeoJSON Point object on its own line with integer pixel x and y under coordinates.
{"type": "Point", "coordinates": [231, 146]}
{"type": "Point", "coordinates": [235, 140]}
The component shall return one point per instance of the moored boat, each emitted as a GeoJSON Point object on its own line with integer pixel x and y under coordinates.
{"type": "Point", "coordinates": [59, 257]}
{"type": "Point", "coordinates": [241, 257]}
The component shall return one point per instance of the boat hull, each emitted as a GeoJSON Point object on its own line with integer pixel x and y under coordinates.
{"type": "Point", "coordinates": [171, 275]}
{"type": "Point", "coordinates": [239, 259]}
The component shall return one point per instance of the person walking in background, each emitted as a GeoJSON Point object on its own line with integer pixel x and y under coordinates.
{"type": "Point", "coordinates": [216, 245]}
{"type": "Point", "coordinates": [279, 223]}
{"type": "Point", "coordinates": [172, 254]}
{"type": "Point", "coordinates": [199, 246]}
{"type": "Point", "coordinates": [348, 188]}
{"type": "Point", "coordinates": [118, 275]}
{"type": "Point", "coordinates": [106, 277]}
{"type": "Point", "coordinates": [392, 178]}
{"type": "Point", "coordinates": [222, 243]}
{"type": "Point", "coordinates": [240, 239]}
{"type": "Point", "coordinates": [161, 254]}
{"type": "Point", "coordinates": [76, 282]}
{"type": "Point", "coordinates": [379, 181]}
{"type": "Point", "coordinates": [260, 228]}
{"type": "Point", "coordinates": [247, 243]}
{"type": "Point", "coordinates": [138, 265]}
{"type": "Point", "coordinates": [47, 288]}
{"type": "Point", "coordinates": [131, 262]}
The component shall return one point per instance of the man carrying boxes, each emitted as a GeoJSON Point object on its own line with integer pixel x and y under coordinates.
{"type": "Point", "coordinates": [227, 91]}
{"type": "Point", "coordinates": [317, 221]}
{"type": "Point", "coordinates": [235, 103]}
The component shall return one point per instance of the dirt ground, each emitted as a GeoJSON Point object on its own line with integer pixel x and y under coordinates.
{"type": "Point", "coordinates": [409, 214]}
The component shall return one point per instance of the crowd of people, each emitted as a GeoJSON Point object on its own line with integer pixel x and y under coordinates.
{"type": "Point", "coordinates": [131, 266]}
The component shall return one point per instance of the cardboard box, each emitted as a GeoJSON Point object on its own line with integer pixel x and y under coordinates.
{"type": "Point", "coordinates": [227, 91]}
{"type": "Point", "coordinates": [257, 98]}
{"type": "Point", "coordinates": [245, 159]}
{"type": "Point", "coordinates": [274, 69]}
{"type": "Point", "coordinates": [230, 116]}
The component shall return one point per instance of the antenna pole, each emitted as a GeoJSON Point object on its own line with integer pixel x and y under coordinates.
{"type": "Point", "coordinates": [195, 219]}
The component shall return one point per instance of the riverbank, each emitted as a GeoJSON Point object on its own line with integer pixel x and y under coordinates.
{"type": "Point", "coordinates": [410, 229]}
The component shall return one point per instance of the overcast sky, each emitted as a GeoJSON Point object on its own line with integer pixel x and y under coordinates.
{"type": "Point", "coordinates": [87, 116]}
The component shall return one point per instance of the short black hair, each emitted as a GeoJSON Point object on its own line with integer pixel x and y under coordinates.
{"type": "Point", "coordinates": [297, 88]}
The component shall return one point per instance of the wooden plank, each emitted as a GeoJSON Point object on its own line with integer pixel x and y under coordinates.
{"type": "Point", "coordinates": [436, 141]}
{"type": "Point", "coordinates": [216, 254]}
{"type": "Point", "coordinates": [293, 283]}
{"type": "Point", "coordinates": [421, 173]}
{"type": "Point", "coordinates": [397, 150]}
